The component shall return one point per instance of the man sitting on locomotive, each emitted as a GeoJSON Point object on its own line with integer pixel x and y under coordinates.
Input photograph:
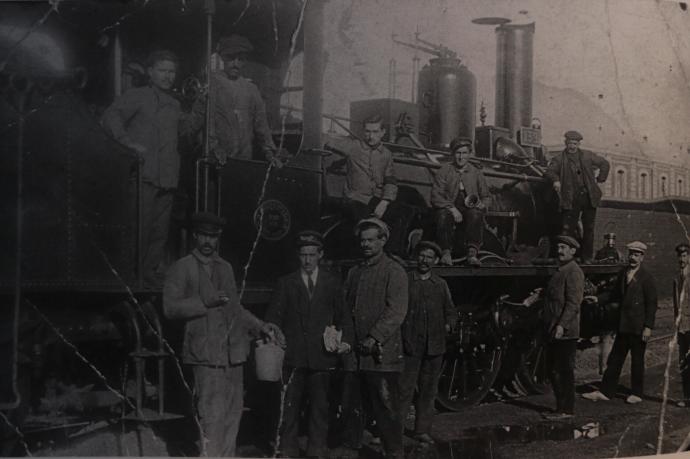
{"type": "Point", "coordinates": [146, 120]}
{"type": "Point", "coordinates": [573, 178]}
{"type": "Point", "coordinates": [459, 194]}
{"type": "Point", "coordinates": [371, 186]}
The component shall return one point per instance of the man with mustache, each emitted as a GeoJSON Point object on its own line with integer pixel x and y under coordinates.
{"type": "Point", "coordinates": [200, 289]}
{"type": "Point", "coordinates": [573, 178]}
{"type": "Point", "coordinates": [635, 291]}
{"type": "Point", "coordinates": [146, 120]}
{"type": "Point", "coordinates": [682, 314]}
{"type": "Point", "coordinates": [376, 294]}
{"type": "Point", "coordinates": [430, 315]}
{"type": "Point", "coordinates": [561, 317]}
{"type": "Point", "coordinates": [238, 117]}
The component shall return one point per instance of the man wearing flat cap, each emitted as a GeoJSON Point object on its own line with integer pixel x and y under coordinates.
{"type": "Point", "coordinates": [451, 187]}
{"type": "Point", "coordinates": [609, 253]}
{"type": "Point", "coordinates": [635, 291]}
{"type": "Point", "coordinates": [572, 173]}
{"type": "Point", "coordinates": [200, 289]}
{"type": "Point", "coordinates": [376, 294]}
{"type": "Point", "coordinates": [306, 303]}
{"type": "Point", "coordinates": [238, 115]}
{"type": "Point", "coordinates": [562, 301]}
{"type": "Point", "coordinates": [681, 309]}
{"type": "Point", "coordinates": [431, 314]}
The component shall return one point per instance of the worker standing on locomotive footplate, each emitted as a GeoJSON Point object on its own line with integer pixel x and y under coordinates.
{"type": "Point", "coordinates": [146, 120]}
{"type": "Point", "coordinates": [563, 297]}
{"type": "Point", "coordinates": [579, 195]}
{"type": "Point", "coordinates": [200, 289]}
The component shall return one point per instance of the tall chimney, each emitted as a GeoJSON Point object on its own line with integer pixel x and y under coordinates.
{"type": "Point", "coordinates": [514, 55]}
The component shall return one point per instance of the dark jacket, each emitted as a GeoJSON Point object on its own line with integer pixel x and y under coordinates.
{"type": "Point", "coordinates": [212, 336]}
{"type": "Point", "coordinates": [303, 320]}
{"type": "Point", "coordinates": [563, 297]}
{"type": "Point", "coordinates": [446, 185]}
{"type": "Point", "coordinates": [638, 301]}
{"type": "Point", "coordinates": [556, 172]}
{"type": "Point", "coordinates": [376, 293]}
{"type": "Point", "coordinates": [430, 308]}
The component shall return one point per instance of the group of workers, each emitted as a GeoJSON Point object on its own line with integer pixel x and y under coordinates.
{"type": "Point", "coordinates": [385, 326]}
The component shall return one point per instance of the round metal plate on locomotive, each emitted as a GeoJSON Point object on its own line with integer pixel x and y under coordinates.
{"type": "Point", "coordinates": [275, 220]}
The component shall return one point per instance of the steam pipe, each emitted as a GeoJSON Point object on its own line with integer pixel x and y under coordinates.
{"type": "Point", "coordinates": [313, 79]}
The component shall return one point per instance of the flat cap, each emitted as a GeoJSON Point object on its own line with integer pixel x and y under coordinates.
{"type": "Point", "coordinates": [573, 135]}
{"type": "Point", "coordinates": [421, 245]}
{"type": "Point", "coordinates": [567, 240]}
{"type": "Point", "coordinates": [637, 246]}
{"type": "Point", "coordinates": [309, 238]}
{"type": "Point", "coordinates": [460, 142]}
{"type": "Point", "coordinates": [207, 223]}
{"type": "Point", "coordinates": [234, 44]}
{"type": "Point", "coordinates": [372, 221]}
{"type": "Point", "coordinates": [683, 247]}
{"type": "Point", "coordinates": [608, 236]}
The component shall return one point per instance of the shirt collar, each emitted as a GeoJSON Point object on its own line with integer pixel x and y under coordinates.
{"type": "Point", "coordinates": [373, 260]}
{"type": "Point", "coordinates": [418, 277]}
{"type": "Point", "coordinates": [314, 275]}
{"type": "Point", "coordinates": [204, 259]}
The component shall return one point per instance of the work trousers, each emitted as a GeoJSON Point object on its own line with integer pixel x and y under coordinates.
{"type": "Point", "coordinates": [684, 361]}
{"type": "Point", "coordinates": [396, 216]}
{"type": "Point", "coordinates": [219, 401]}
{"type": "Point", "coordinates": [312, 385]}
{"type": "Point", "coordinates": [421, 372]}
{"type": "Point", "coordinates": [560, 365]}
{"type": "Point", "coordinates": [472, 224]}
{"type": "Point", "coordinates": [379, 392]}
{"type": "Point", "coordinates": [156, 207]}
{"type": "Point", "coordinates": [624, 343]}
{"type": "Point", "coordinates": [581, 209]}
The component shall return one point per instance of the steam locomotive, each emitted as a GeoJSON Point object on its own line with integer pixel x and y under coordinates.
{"type": "Point", "coordinates": [71, 274]}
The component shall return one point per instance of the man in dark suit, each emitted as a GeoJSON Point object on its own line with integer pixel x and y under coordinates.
{"type": "Point", "coordinates": [304, 304]}
{"type": "Point", "coordinates": [635, 291]}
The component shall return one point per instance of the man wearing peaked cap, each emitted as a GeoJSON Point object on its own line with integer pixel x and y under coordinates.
{"type": "Point", "coordinates": [200, 290]}
{"type": "Point", "coordinates": [681, 309]}
{"type": "Point", "coordinates": [635, 291]}
{"type": "Point", "coordinates": [374, 222]}
{"type": "Point", "coordinates": [238, 120]}
{"type": "Point", "coordinates": [307, 304]}
{"type": "Point", "coordinates": [561, 316]}
{"type": "Point", "coordinates": [430, 315]}
{"type": "Point", "coordinates": [572, 173]}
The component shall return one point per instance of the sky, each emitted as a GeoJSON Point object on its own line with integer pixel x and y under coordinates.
{"type": "Point", "coordinates": [616, 70]}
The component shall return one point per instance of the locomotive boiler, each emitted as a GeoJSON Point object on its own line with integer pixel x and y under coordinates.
{"type": "Point", "coordinates": [70, 193]}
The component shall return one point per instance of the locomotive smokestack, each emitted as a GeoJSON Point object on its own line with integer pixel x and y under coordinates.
{"type": "Point", "coordinates": [514, 51]}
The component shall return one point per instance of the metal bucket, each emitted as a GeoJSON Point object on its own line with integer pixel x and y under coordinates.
{"type": "Point", "coordinates": [269, 361]}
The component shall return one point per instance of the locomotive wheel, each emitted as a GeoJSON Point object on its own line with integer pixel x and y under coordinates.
{"type": "Point", "coordinates": [531, 375]}
{"type": "Point", "coordinates": [467, 375]}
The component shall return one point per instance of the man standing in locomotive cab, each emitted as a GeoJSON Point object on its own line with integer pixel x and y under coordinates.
{"type": "Point", "coordinates": [682, 314]}
{"type": "Point", "coordinates": [238, 115]}
{"type": "Point", "coordinates": [430, 315]}
{"type": "Point", "coordinates": [305, 305]}
{"type": "Point", "coordinates": [200, 289]}
{"type": "Point", "coordinates": [460, 197]}
{"type": "Point", "coordinates": [608, 253]}
{"type": "Point", "coordinates": [562, 301]}
{"type": "Point", "coordinates": [635, 291]}
{"type": "Point", "coordinates": [146, 120]}
{"type": "Point", "coordinates": [572, 173]}
{"type": "Point", "coordinates": [371, 186]}
{"type": "Point", "coordinates": [376, 293]}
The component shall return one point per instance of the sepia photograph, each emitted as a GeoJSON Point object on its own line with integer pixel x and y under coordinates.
{"type": "Point", "coordinates": [345, 228]}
